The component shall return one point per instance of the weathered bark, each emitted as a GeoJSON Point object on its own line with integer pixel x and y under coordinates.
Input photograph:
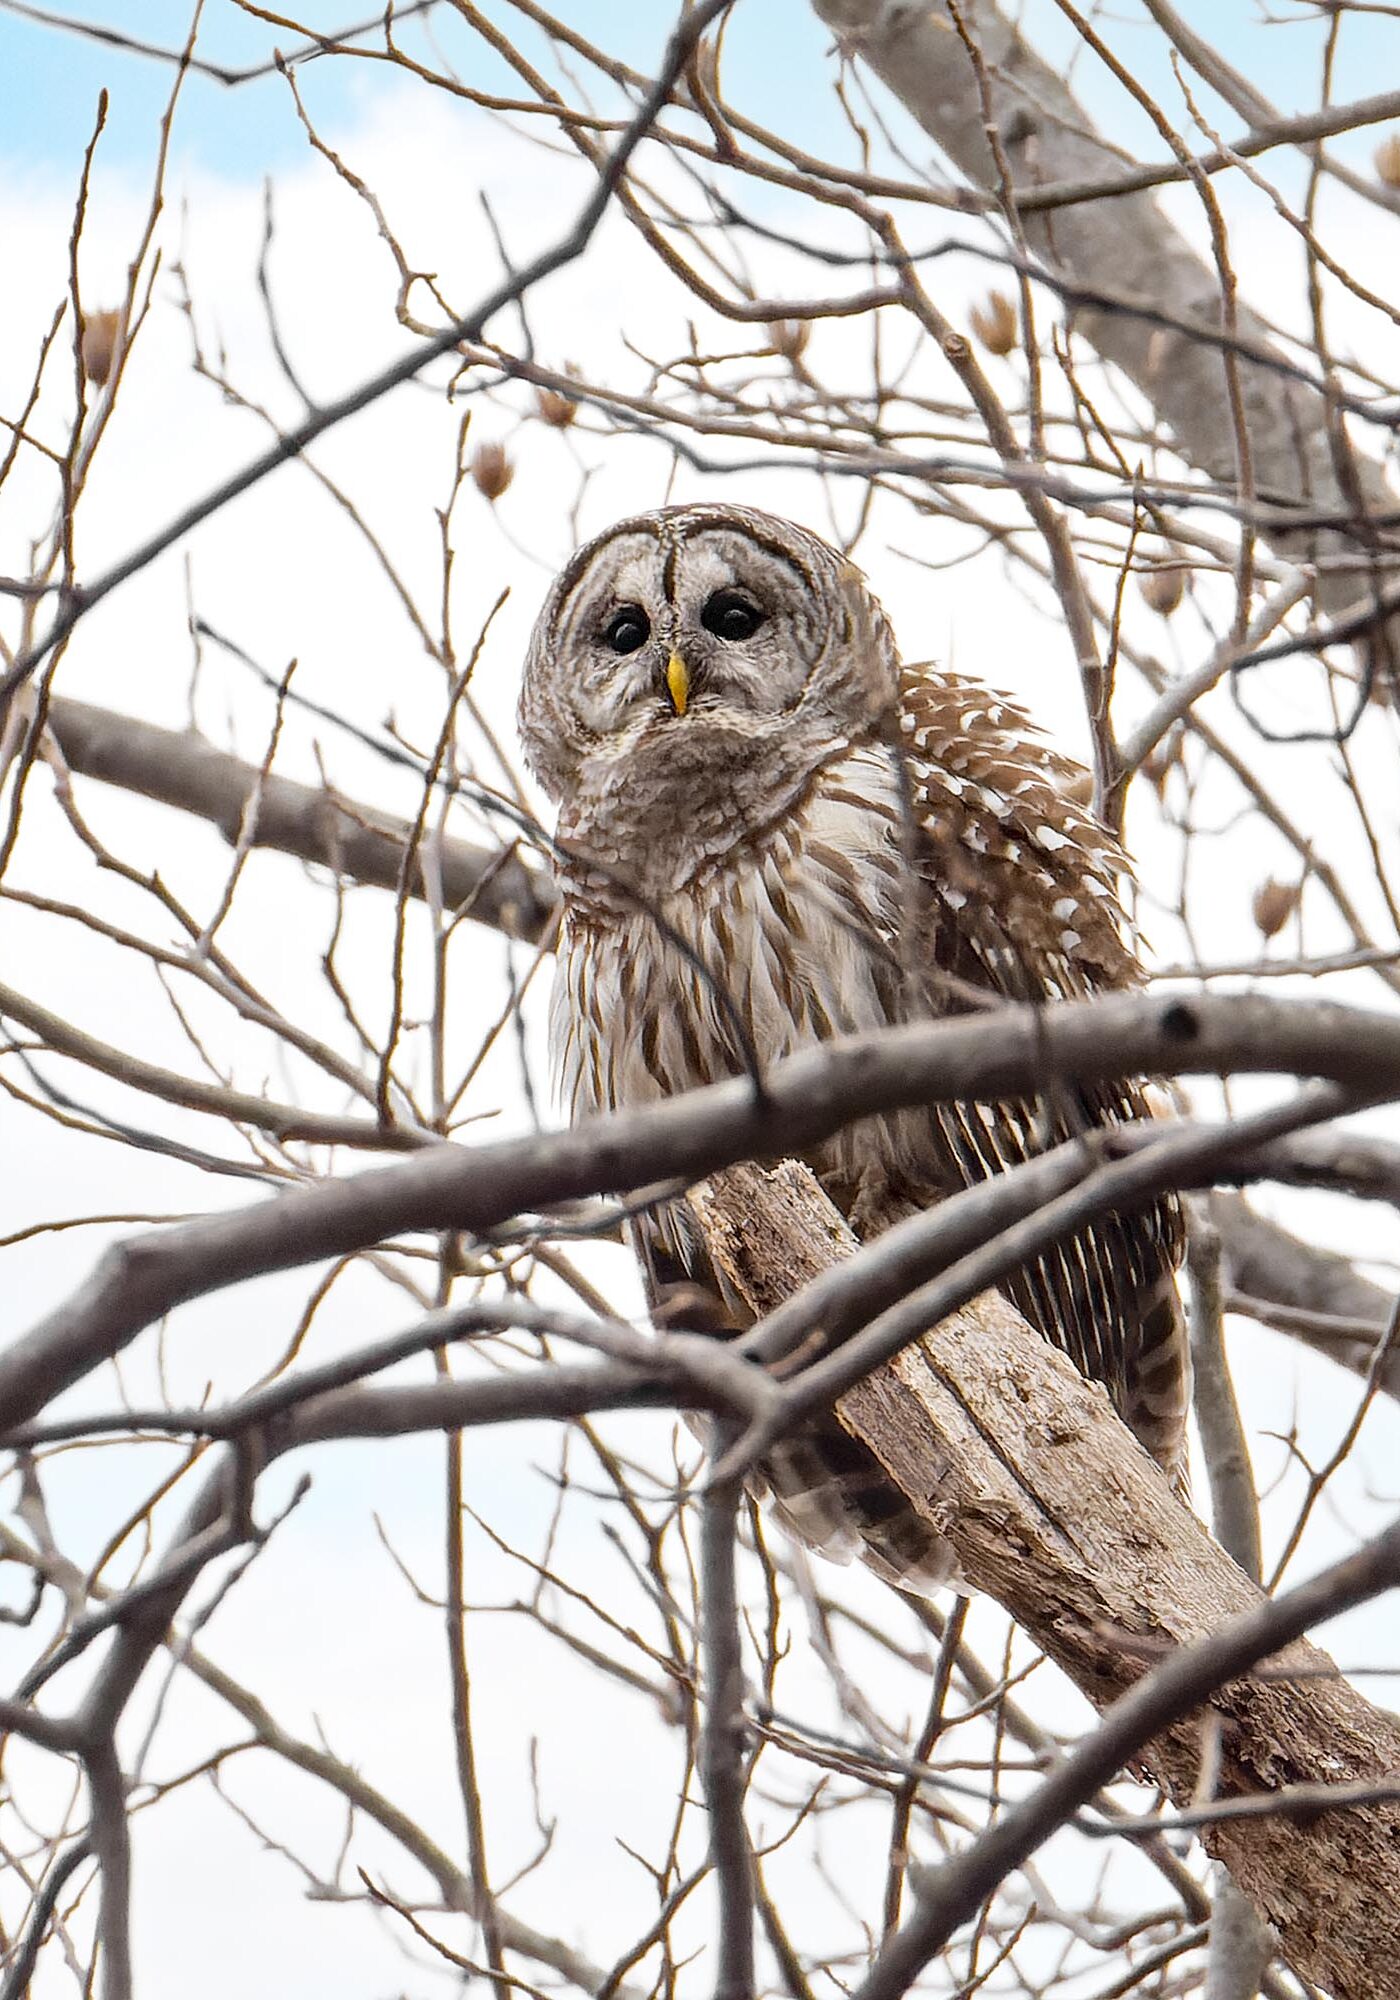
{"type": "Point", "coordinates": [1053, 1509]}
{"type": "Point", "coordinates": [1123, 248]}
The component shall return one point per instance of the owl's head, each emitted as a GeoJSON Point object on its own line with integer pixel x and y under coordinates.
{"type": "Point", "coordinates": [694, 638]}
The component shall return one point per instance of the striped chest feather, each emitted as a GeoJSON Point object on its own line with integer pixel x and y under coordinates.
{"type": "Point", "coordinates": [790, 941]}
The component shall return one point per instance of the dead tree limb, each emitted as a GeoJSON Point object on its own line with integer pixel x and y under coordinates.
{"type": "Point", "coordinates": [1052, 1508]}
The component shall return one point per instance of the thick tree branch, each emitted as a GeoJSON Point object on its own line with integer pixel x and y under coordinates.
{"type": "Point", "coordinates": [1325, 1301]}
{"type": "Point", "coordinates": [1052, 1508]}
{"type": "Point", "coordinates": [1016, 1053]}
{"type": "Point", "coordinates": [178, 768]}
{"type": "Point", "coordinates": [362, 844]}
{"type": "Point", "coordinates": [1123, 247]}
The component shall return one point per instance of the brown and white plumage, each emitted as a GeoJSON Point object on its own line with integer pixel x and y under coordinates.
{"type": "Point", "coordinates": [800, 838]}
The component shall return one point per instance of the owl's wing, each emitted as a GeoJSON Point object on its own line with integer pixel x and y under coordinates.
{"type": "Point", "coordinates": [1022, 899]}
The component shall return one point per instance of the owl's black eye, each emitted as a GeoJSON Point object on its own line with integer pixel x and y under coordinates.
{"type": "Point", "coordinates": [627, 629]}
{"type": "Point", "coordinates": [730, 616]}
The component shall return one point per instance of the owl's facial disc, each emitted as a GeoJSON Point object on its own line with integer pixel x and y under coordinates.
{"type": "Point", "coordinates": [709, 629]}
{"type": "Point", "coordinates": [698, 639]}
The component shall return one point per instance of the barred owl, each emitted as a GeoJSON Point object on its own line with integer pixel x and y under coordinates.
{"type": "Point", "coordinates": [770, 827]}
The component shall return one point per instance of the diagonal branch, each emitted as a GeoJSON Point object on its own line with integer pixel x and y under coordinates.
{"type": "Point", "coordinates": [1123, 247]}
{"type": "Point", "coordinates": [1050, 1506]}
{"type": "Point", "coordinates": [178, 768]}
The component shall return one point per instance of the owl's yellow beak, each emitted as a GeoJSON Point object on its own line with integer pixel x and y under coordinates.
{"type": "Point", "coordinates": [678, 683]}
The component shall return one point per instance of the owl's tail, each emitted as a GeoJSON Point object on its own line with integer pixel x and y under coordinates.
{"type": "Point", "coordinates": [1160, 1395]}
{"type": "Point", "coordinates": [831, 1492]}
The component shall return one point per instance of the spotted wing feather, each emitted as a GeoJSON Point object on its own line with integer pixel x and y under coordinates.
{"type": "Point", "coordinates": [1025, 902]}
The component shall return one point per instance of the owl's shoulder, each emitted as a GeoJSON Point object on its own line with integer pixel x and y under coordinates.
{"type": "Point", "coordinates": [953, 723]}
{"type": "Point", "coordinates": [1007, 833]}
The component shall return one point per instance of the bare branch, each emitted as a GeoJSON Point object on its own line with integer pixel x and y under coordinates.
{"type": "Point", "coordinates": [722, 1756]}
{"type": "Point", "coordinates": [471, 326]}
{"type": "Point", "coordinates": [805, 1099]}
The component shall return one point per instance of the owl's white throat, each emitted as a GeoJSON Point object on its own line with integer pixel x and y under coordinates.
{"type": "Point", "coordinates": [663, 811]}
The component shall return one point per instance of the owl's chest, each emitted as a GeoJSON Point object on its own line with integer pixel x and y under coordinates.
{"type": "Point", "coordinates": [791, 942]}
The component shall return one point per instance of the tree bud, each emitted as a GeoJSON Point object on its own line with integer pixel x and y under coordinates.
{"type": "Point", "coordinates": [789, 337]}
{"type": "Point", "coordinates": [98, 346]}
{"type": "Point", "coordinates": [997, 324]}
{"type": "Point", "coordinates": [1273, 904]}
{"type": "Point", "coordinates": [1163, 589]}
{"type": "Point", "coordinates": [492, 471]}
